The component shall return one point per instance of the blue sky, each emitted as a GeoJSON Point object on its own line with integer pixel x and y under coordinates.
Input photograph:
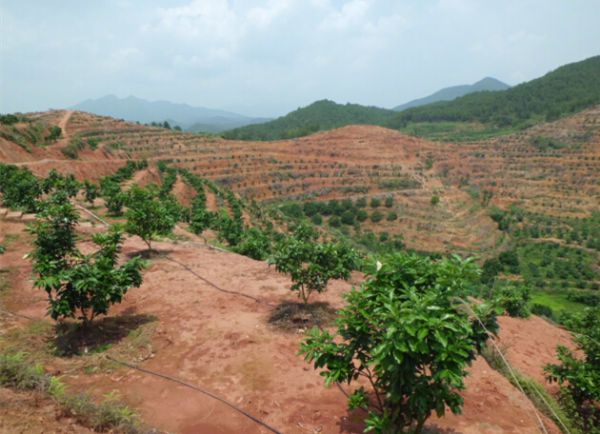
{"type": "Point", "coordinates": [265, 58]}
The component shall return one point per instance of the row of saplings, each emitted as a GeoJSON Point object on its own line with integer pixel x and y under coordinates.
{"type": "Point", "coordinates": [408, 333]}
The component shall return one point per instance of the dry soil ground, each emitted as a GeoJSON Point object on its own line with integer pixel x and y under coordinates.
{"type": "Point", "coordinates": [207, 312]}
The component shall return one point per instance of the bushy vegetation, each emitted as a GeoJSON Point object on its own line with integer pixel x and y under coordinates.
{"type": "Point", "coordinates": [71, 150]}
{"type": "Point", "coordinates": [404, 333]}
{"type": "Point", "coordinates": [19, 187]}
{"type": "Point", "coordinates": [110, 186]}
{"type": "Point", "coordinates": [150, 214]}
{"type": "Point", "coordinates": [579, 373]}
{"type": "Point", "coordinates": [320, 115]}
{"type": "Point", "coordinates": [311, 264]}
{"type": "Point", "coordinates": [27, 132]}
{"type": "Point", "coordinates": [78, 284]}
{"type": "Point", "coordinates": [561, 274]}
{"type": "Point", "coordinates": [19, 373]}
{"type": "Point", "coordinates": [536, 393]}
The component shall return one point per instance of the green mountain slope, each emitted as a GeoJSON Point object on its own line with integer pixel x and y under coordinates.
{"type": "Point", "coordinates": [565, 90]}
{"type": "Point", "coordinates": [453, 92]}
{"type": "Point", "coordinates": [318, 116]}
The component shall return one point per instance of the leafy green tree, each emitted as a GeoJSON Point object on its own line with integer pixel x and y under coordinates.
{"type": "Point", "coordinates": [515, 299]}
{"type": "Point", "coordinates": [91, 191]}
{"type": "Point", "coordinates": [311, 264]}
{"type": "Point", "coordinates": [491, 268]}
{"type": "Point", "coordinates": [19, 187]}
{"type": "Point", "coordinates": [200, 219]}
{"type": "Point", "coordinates": [361, 202]}
{"type": "Point", "coordinates": [316, 220]}
{"type": "Point", "coordinates": [310, 208]}
{"type": "Point", "coordinates": [148, 215]}
{"type": "Point", "coordinates": [578, 372]}
{"type": "Point", "coordinates": [375, 202]}
{"type": "Point", "coordinates": [230, 229]}
{"type": "Point", "coordinates": [361, 215]}
{"type": "Point", "coordinates": [55, 182]}
{"type": "Point", "coordinates": [254, 243]}
{"type": "Point", "coordinates": [348, 217]}
{"type": "Point", "coordinates": [78, 284]}
{"type": "Point", "coordinates": [389, 201]}
{"type": "Point", "coordinates": [510, 260]}
{"type": "Point", "coordinates": [51, 181]}
{"type": "Point", "coordinates": [376, 216]}
{"type": "Point", "coordinates": [54, 134]}
{"type": "Point", "coordinates": [114, 198]}
{"type": "Point", "coordinates": [404, 333]}
{"type": "Point", "coordinates": [335, 221]}
{"type": "Point", "coordinates": [435, 199]}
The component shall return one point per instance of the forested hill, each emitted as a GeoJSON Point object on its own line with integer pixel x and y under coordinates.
{"type": "Point", "coordinates": [320, 115]}
{"type": "Point", "coordinates": [453, 92]}
{"type": "Point", "coordinates": [565, 90]}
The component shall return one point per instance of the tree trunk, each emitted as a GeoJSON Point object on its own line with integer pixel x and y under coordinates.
{"type": "Point", "coordinates": [420, 425]}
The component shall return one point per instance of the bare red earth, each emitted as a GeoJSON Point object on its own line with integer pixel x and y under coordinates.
{"type": "Point", "coordinates": [216, 336]}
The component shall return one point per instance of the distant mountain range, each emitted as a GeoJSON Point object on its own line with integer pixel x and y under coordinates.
{"type": "Point", "coordinates": [453, 92]}
{"type": "Point", "coordinates": [195, 119]}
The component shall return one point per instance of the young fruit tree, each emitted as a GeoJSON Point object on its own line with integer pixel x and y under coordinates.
{"type": "Point", "coordinates": [90, 191]}
{"type": "Point", "coordinates": [407, 333]}
{"type": "Point", "coordinates": [578, 373]}
{"type": "Point", "coordinates": [19, 188]}
{"type": "Point", "coordinates": [113, 197]}
{"type": "Point", "coordinates": [311, 264]}
{"type": "Point", "coordinates": [148, 215]}
{"type": "Point", "coordinates": [78, 284]}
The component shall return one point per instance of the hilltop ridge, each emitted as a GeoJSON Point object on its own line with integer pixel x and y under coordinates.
{"type": "Point", "coordinates": [453, 92]}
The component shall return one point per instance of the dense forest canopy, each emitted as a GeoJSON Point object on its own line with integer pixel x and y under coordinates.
{"type": "Point", "coordinates": [565, 90]}
{"type": "Point", "coordinates": [320, 115]}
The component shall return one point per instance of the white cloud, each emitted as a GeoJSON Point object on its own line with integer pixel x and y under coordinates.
{"type": "Point", "coordinates": [351, 14]}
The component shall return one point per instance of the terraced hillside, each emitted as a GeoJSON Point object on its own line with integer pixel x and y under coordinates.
{"type": "Point", "coordinates": [550, 169]}
{"type": "Point", "coordinates": [526, 204]}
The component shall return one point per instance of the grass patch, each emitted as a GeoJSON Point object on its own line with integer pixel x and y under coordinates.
{"type": "Point", "coordinates": [4, 279]}
{"type": "Point", "coordinates": [34, 337]}
{"type": "Point", "coordinates": [127, 337]}
{"type": "Point", "coordinates": [556, 301]}
{"type": "Point", "coordinates": [291, 315]}
{"type": "Point", "coordinates": [18, 372]}
{"type": "Point", "coordinates": [536, 393]}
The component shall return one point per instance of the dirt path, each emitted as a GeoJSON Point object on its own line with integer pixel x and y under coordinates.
{"type": "Point", "coordinates": [65, 137]}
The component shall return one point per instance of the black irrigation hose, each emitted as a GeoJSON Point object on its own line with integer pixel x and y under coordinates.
{"type": "Point", "coordinates": [169, 378]}
{"type": "Point", "coordinates": [187, 268]}
{"type": "Point", "coordinates": [215, 286]}
{"type": "Point", "coordinates": [198, 389]}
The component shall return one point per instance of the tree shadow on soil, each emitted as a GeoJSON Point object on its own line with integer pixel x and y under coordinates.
{"type": "Point", "coordinates": [293, 315]}
{"type": "Point", "coordinates": [353, 423]}
{"type": "Point", "coordinates": [149, 254]}
{"type": "Point", "coordinates": [73, 339]}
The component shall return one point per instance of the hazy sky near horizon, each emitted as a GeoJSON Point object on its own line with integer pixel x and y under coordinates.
{"type": "Point", "coordinates": [265, 58]}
